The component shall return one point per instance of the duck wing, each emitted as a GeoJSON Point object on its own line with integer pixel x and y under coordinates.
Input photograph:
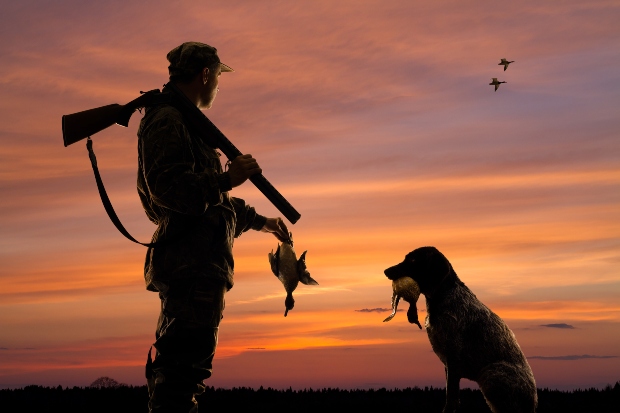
{"type": "Point", "coordinates": [304, 275]}
{"type": "Point", "coordinates": [274, 260]}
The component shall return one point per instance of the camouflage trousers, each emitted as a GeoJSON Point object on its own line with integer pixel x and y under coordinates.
{"type": "Point", "coordinates": [186, 339]}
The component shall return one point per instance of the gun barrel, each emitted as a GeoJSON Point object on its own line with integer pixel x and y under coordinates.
{"type": "Point", "coordinates": [275, 197]}
{"type": "Point", "coordinates": [81, 125]}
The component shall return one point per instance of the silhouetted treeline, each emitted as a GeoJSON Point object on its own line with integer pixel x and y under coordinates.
{"type": "Point", "coordinates": [427, 400]}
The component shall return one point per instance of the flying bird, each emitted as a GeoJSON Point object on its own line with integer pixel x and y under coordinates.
{"type": "Point", "coordinates": [505, 63]}
{"type": "Point", "coordinates": [496, 83]}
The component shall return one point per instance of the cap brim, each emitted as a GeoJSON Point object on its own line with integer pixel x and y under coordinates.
{"type": "Point", "coordinates": [226, 68]}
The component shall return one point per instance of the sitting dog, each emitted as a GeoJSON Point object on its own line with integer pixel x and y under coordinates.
{"type": "Point", "coordinates": [471, 341]}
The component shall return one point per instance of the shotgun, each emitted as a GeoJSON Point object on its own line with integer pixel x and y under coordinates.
{"type": "Point", "coordinates": [81, 125]}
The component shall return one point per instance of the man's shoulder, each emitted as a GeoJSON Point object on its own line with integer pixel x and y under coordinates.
{"type": "Point", "coordinates": [163, 112]}
{"type": "Point", "coordinates": [160, 118]}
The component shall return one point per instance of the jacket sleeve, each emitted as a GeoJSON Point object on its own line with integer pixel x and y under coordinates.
{"type": "Point", "coordinates": [247, 218]}
{"type": "Point", "coordinates": [168, 168]}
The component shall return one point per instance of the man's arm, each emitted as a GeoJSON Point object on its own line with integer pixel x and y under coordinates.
{"type": "Point", "coordinates": [247, 219]}
{"type": "Point", "coordinates": [167, 165]}
{"type": "Point", "coordinates": [241, 168]}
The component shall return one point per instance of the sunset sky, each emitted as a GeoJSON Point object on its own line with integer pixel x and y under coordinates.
{"type": "Point", "coordinates": [376, 120]}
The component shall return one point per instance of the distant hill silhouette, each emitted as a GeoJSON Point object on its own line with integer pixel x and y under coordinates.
{"type": "Point", "coordinates": [130, 399]}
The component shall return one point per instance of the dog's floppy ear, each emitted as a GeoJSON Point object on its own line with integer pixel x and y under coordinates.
{"type": "Point", "coordinates": [437, 264]}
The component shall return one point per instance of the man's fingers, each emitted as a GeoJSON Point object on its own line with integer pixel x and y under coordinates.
{"type": "Point", "coordinates": [279, 236]}
{"type": "Point", "coordinates": [277, 227]}
{"type": "Point", "coordinates": [280, 230]}
{"type": "Point", "coordinates": [253, 171]}
{"type": "Point", "coordinates": [251, 167]}
{"type": "Point", "coordinates": [248, 164]}
{"type": "Point", "coordinates": [242, 168]}
{"type": "Point", "coordinates": [283, 229]}
{"type": "Point", "coordinates": [244, 159]}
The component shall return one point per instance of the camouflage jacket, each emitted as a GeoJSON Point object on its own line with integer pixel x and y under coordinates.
{"type": "Point", "coordinates": [185, 193]}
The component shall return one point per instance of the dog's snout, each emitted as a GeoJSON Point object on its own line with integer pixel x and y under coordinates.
{"type": "Point", "coordinates": [393, 273]}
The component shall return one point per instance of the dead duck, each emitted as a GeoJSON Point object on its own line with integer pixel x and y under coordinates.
{"type": "Point", "coordinates": [290, 270]}
{"type": "Point", "coordinates": [407, 289]}
{"type": "Point", "coordinates": [505, 63]}
{"type": "Point", "coordinates": [496, 83]}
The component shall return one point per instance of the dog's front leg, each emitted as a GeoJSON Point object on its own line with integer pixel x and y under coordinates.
{"type": "Point", "coordinates": [453, 380]}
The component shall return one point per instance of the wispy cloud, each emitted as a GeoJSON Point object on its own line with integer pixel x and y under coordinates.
{"type": "Point", "coordinates": [17, 349]}
{"type": "Point", "coordinates": [375, 310]}
{"type": "Point", "coordinates": [571, 358]}
{"type": "Point", "coordinates": [559, 325]}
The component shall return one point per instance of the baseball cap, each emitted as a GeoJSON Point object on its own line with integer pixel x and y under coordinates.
{"type": "Point", "coordinates": [190, 57]}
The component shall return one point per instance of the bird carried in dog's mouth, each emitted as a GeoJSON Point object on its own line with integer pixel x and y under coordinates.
{"type": "Point", "coordinates": [505, 63]}
{"type": "Point", "coordinates": [407, 289]}
{"type": "Point", "coordinates": [290, 270]}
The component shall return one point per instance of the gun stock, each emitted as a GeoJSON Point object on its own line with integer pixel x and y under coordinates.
{"type": "Point", "coordinates": [81, 125]}
{"type": "Point", "coordinates": [78, 126]}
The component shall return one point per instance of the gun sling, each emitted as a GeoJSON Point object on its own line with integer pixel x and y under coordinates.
{"type": "Point", "coordinates": [106, 200]}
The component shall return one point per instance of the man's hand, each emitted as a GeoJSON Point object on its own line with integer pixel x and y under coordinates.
{"type": "Point", "coordinates": [277, 227]}
{"type": "Point", "coordinates": [241, 168]}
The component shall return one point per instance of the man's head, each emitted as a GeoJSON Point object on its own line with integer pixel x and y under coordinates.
{"type": "Point", "coordinates": [198, 67]}
{"type": "Point", "coordinates": [190, 58]}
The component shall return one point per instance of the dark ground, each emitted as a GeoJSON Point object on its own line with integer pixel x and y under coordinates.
{"type": "Point", "coordinates": [428, 400]}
